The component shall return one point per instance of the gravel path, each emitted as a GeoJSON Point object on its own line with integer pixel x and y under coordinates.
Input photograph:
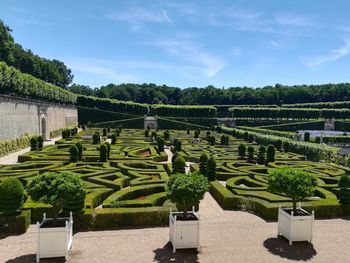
{"type": "Point", "coordinates": [13, 157]}
{"type": "Point", "coordinates": [226, 236]}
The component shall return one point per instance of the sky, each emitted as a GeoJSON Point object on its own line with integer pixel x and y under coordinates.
{"type": "Point", "coordinates": [188, 43]}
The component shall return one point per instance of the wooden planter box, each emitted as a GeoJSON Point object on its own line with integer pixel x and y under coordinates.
{"type": "Point", "coordinates": [184, 234]}
{"type": "Point", "coordinates": [54, 241]}
{"type": "Point", "coordinates": [295, 228]}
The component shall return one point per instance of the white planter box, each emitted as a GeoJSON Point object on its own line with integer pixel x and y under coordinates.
{"type": "Point", "coordinates": [183, 234]}
{"type": "Point", "coordinates": [295, 228]}
{"type": "Point", "coordinates": [54, 241]}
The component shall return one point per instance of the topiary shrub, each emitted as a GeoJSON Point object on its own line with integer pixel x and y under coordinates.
{"type": "Point", "coordinates": [224, 140]}
{"type": "Point", "coordinates": [250, 138]}
{"type": "Point", "coordinates": [270, 154]}
{"type": "Point", "coordinates": [196, 134]}
{"type": "Point", "coordinates": [286, 147]}
{"type": "Point", "coordinates": [103, 153]}
{"type": "Point", "coordinates": [246, 136]}
{"type": "Point", "coordinates": [73, 154]}
{"type": "Point", "coordinates": [188, 131]}
{"type": "Point", "coordinates": [40, 141]}
{"type": "Point", "coordinates": [33, 143]}
{"type": "Point", "coordinates": [104, 132]}
{"type": "Point", "coordinates": [250, 153]}
{"type": "Point", "coordinates": [261, 154]}
{"type": "Point", "coordinates": [279, 144]}
{"type": "Point", "coordinates": [186, 190]}
{"type": "Point", "coordinates": [160, 144]}
{"type": "Point", "coordinates": [147, 133]}
{"type": "Point", "coordinates": [203, 163]}
{"type": "Point", "coordinates": [179, 165]}
{"type": "Point", "coordinates": [80, 150]}
{"type": "Point", "coordinates": [108, 129]}
{"type": "Point", "coordinates": [211, 169]}
{"type": "Point", "coordinates": [108, 148]}
{"type": "Point", "coordinates": [212, 140]}
{"type": "Point", "coordinates": [113, 138]}
{"type": "Point", "coordinates": [120, 128]}
{"type": "Point", "coordinates": [57, 189]}
{"type": "Point", "coordinates": [11, 196]}
{"type": "Point", "coordinates": [294, 183]}
{"type": "Point", "coordinates": [173, 158]}
{"type": "Point", "coordinates": [154, 135]}
{"type": "Point", "coordinates": [344, 191]}
{"type": "Point", "coordinates": [242, 150]}
{"type": "Point", "coordinates": [96, 138]}
{"type": "Point", "coordinates": [306, 137]}
{"type": "Point", "coordinates": [166, 135]}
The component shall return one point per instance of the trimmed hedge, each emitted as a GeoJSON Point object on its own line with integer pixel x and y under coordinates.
{"type": "Point", "coordinates": [293, 127]}
{"type": "Point", "coordinates": [183, 111]}
{"type": "Point", "coordinates": [15, 223]}
{"type": "Point", "coordinates": [320, 105]}
{"type": "Point", "coordinates": [267, 131]}
{"type": "Point", "coordinates": [14, 82]}
{"type": "Point", "coordinates": [342, 126]}
{"type": "Point", "coordinates": [14, 145]}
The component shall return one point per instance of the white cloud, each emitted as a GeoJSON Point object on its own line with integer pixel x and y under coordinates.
{"type": "Point", "coordinates": [294, 20]}
{"type": "Point", "coordinates": [332, 56]}
{"type": "Point", "coordinates": [190, 51]}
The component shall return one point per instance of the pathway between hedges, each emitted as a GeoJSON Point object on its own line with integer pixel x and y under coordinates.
{"type": "Point", "coordinates": [12, 158]}
{"type": "Point", "coordinates": [226, 236]}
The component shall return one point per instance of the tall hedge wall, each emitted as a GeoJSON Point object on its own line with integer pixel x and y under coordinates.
{"type": "Point", "coordinates": [223, 110]}
{"type": "Point", "coordinates": [127, 107]}
{"type": "Point", "coordinates": [183, 111]}
{"type": "Point", "coordinates": [342, 126]}
{"type": "Point", "coordinates": [320, 105]}
{"type": "Point", "coordinates": [14, 82]}
{"type": "Point", "coordinates": [292, 127]}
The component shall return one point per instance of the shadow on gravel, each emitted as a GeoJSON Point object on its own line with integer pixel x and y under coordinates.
{"type": "Point", "coordinates": [298, 251]}
{"type": "Point", "coordinates": [32, 258]}
{"type": "Point", "coordinates": [166, 255]}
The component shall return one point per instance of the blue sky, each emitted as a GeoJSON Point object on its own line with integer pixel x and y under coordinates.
{"type": "Point", "coordinates": [189, 43]}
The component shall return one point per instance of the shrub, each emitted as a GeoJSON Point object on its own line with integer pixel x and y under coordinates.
{"type": "Point", "coordinates": [160, 145]}
{"type": "Point", "coordinates": [120, 128]}
{"type": "Point", "coordinates": [246, 136]}
{"type": "Point", "coordinates": [146, 132]}
{"type": "Point", "coordinates": [103, 153]}
{"type": "Point", "coordinates": [108, 148]}
{"type": "Point", "coordinates": [57, 189]}
{"type": "Point", "coordinates": [250, 138]}
{"type": "Point", "coordinates": [306, 137]}
{"type": "Point", "coordinates": [224, 140]}
{"type": "Point", "coordinates": [186, 190]}
{"type": "Point", "coordinates": [113, 138]}
{"type": "Point", "coordinates": [219, 129]}
{"type": "Point", "coordinates": [211, 169]}
{"type": "Point", "coordinates": [212, 140]}
{"type": "Point", "coordinates": [250, 153]}
{"type": "Point", "coordinates": [177, 145]}
{"type": "Point", "coordinates": [33, 144]}
{"type": "Point", "coordinates": [270, 154]}
{"type": "Point", "coordinates": [73, 153]}
{"type": "Point", "coordinates": [208, 134]}
{"type": "Point", "coordinates": [80, 150]}
{"type": "Point", "coordinates": [286, 147]}
{"type": "Point", "coordinates": [175, 155]}
{"type": "Point", "coordinates": [104, 132]}
{"type": "Point", "coordinates": [96, 138]}
{"type": "Point", "coordinates": [196, 134]}
{"type": "Point", "coordinates": [188, 131]}
{"type": "Point", "coordinates": [179, 165]}
{"type": "Point", "coordinates": [344, 191]}
{"type": "Point", "coordinates": [40, 141]}
{"type": "Point", "coordinates": [11, 196]}
{"type": "Point", "coordinates": [241, 150]}
{"type": "Point", "coordinates": [279, 144]}
{"type": "Point", "coordinates": [294, 183]}
{"type": "Point", "coordinates": [203, 163]}
{"type": "Point", "coordinates": [261, 154]}
{"type": "Point", "coordinates": [154, 136]}
{"type": "Point", "coordinates": [117, 132]}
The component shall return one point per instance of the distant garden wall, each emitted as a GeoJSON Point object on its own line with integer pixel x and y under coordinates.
{"type": "Point", "coordinates": [24, 116]}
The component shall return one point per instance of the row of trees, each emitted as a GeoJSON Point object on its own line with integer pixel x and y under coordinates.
{"type": "Point", "coordinates": [210, 95]}
{"type": "Point", "coordinates": [51, 71]}
{"type": "Point", "coordinates": [289, 113]}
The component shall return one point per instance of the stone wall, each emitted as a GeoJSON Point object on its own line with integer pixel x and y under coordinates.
{"type": "Point", "coordinates": [19, 116]}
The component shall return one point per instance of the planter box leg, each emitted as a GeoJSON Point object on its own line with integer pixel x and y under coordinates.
{"type": "Point", "coordinates": [174, 249]}
{"type": "Point", "coordinates": [37, 258]}
{"type": "Point", "coordinates": [290, 242]}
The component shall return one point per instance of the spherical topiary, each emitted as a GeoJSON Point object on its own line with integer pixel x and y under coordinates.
{"type": "Point", "coordinates": [11, 195]}
{"type": "Point", "coordinates": [179, 165]}
{"type": "Point", "coordinates": [344, 181]}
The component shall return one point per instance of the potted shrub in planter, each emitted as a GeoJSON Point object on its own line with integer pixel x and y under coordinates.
{"type": "Point", "coordinates": [294, 223]}
{"type": "Point", "coordinates": [55, 235]}
{"type": "Point", "coordinates": [185, 190]}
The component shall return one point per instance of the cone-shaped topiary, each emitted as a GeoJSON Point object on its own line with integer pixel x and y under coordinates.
{"type": "Point", "coordinates": [241, 150]}
{"type": "Point", "coordinates": [40, 140]}
{"type": "Point", "coordinates": [108, 148]}
{"type": "Point", "coordinates": [33, 143]}
{"type": "Point", "coordinates": [11, 196]}
{"type": "Point", "coordinates": [113, 138]}
{"type": "Point", "coordinates": [344, 192]}
{"type": "Point", "coordinates": [286, 146]}
{"type": "Point", "coordinates": [262, 154]}
{"type": "Point", "coordinates": [186, 190]}
{"type": "Point", "coordinates": [96, 138]}
{"type": "Point", "coordinates": [80, 150]}
{"type": "Point", "coordinates": [104, 132]}
{"type": "Point", "coordinates": [196, 134]}
{"type": "Point", "coordinates": [250, 153]}
{"type": "Point", "coordinates": [270, 154]}
{"type": "Point", "coordinates": [160, 144]}
{"type": "Point", "coordinates": [146, 132]}
{"type": "Point", "coordinates": [306, 137]}
{"type": "Point", "coordinates": [179, 165]}
{"type": "Point", "coordinates": [203, 163]}
{"type": "Point", "coordinates": [211, 169]}
{"type": "Point", "coordinates": [73, 153]}
{"type": "Point", "coordinates": [103, 153]}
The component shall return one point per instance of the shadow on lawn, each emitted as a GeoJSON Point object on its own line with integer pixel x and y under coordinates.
{"type": "Point", "coordinates": [32, 258]}
{"type": "Point", "coordinates": [166, 255]}
{"type": "Point", "coordinates": [298, 251]}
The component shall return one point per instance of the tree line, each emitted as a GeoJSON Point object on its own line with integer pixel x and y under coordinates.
{"type": "Point", "coordinates": [51, 71]}
{"type": "Point", "coordinates": [210, 95]}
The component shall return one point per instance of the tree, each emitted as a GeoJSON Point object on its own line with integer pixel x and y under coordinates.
{"type": "Point", "coordinates": [160, 145]}
{"type": "Point", "coordinates": [306, 137]}
{"type": "Point", "coordinates": [73, 154]}
{"type": "Point", "coordinates": [179, 165]}
{"type": "Point", "coordinates": [57, 189]}
{"type": "Point", "coordinates": [11, 195]}
{"type": "Point", "coordinates": [103, 153]}
{"type": "Point", "coordinates": [33, 144]}
{"type": "Point", "coordinates": [250, 153]}
{"type": "Point", "coordinates": [203, 163]}
{"type": "Point", "coordinates": [186, 190]}
{"type": "Point", "coordinates": [262, 154]}
{"type": "Point", "coordinates": [40, 140]}
{"type": "Point", "coordinates": [294, 183]}
{"type": "Point", "coordinates": [80, 150]}
{"type": "Point", "coordinates": [270, 154]}
{"type": "Point", "coordinates": [241, 150]}
{"type": "Point", "coordinates": [211, 169]}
